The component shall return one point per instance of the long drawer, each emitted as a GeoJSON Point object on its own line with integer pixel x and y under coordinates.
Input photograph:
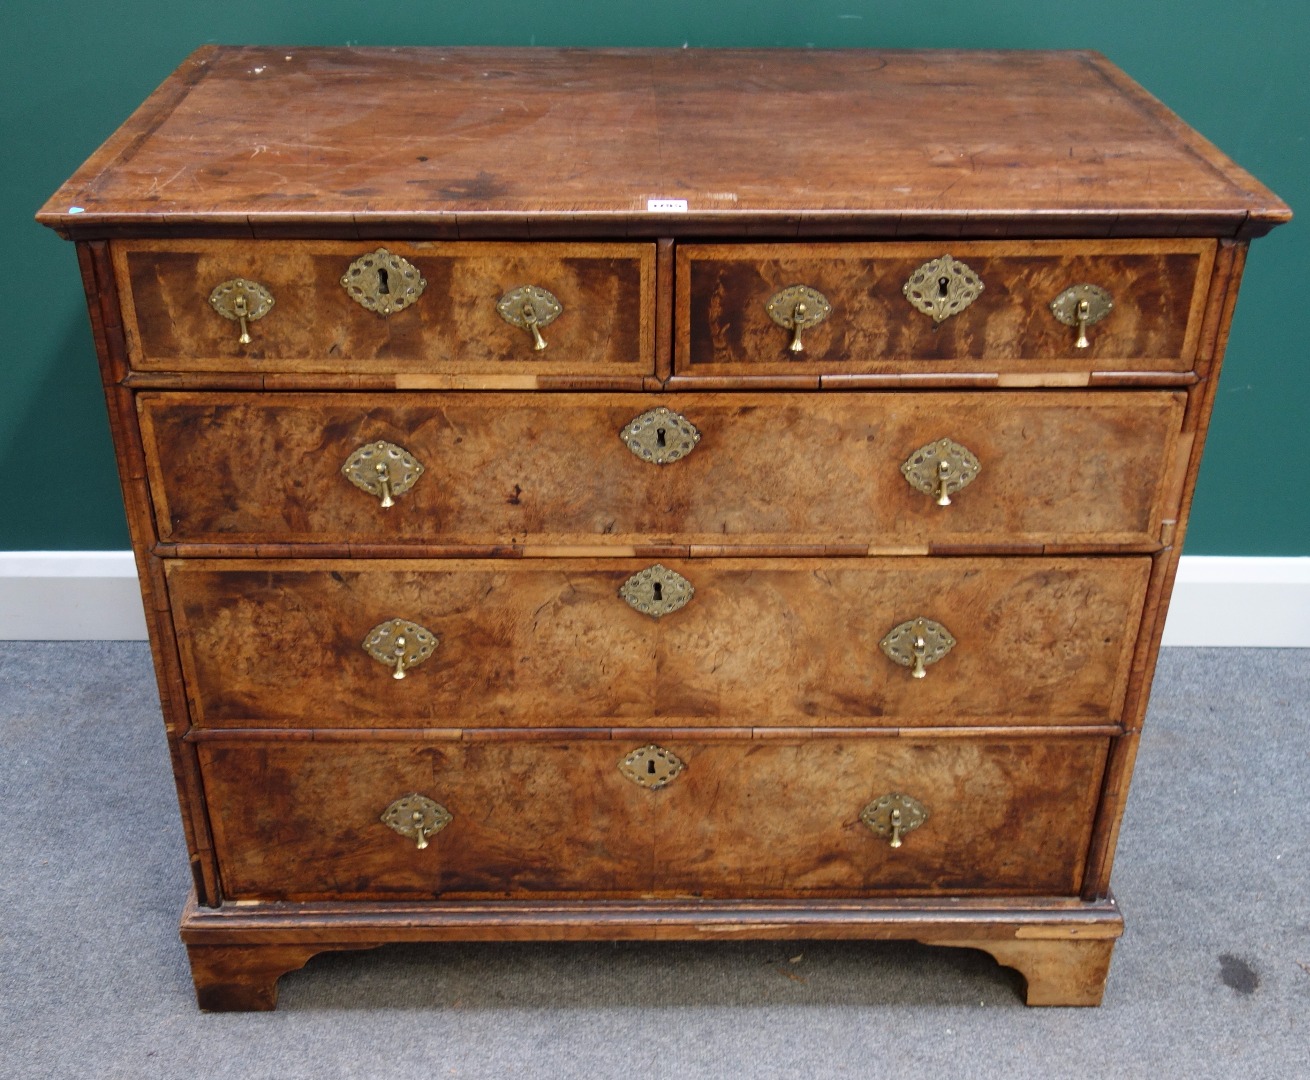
{"type": "Point", "coordinates": [735, 310]}
{"type": "Point", "coordinates": [759, 642]}
{"type": "Point", "coordinates": [599, 317]}
{"type": "Point", "coordinates": [742, 818]}
{"type": "Point", "coordinates": [1090, 468]}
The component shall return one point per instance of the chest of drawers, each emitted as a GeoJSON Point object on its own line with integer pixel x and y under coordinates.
{"type": "Point", "coordinates": [655, 494]}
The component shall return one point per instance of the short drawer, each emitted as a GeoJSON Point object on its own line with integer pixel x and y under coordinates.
{"type": "Point", "coordinates": [1088, 468]}
{"type": "Point", "coordinates": [605, 294]}
{"type": "Point", "coordinates": [756, 642]}
{"type": "Point", "coordinates": [733, 317]}
{"type": "Point", "coordinates": [558, 818]}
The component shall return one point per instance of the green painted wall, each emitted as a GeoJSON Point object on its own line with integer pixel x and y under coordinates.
{"type": "Point", "coordinates": [74, 69]}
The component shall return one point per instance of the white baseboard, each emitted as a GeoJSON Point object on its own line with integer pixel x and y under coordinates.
{"type": "Point", "coordinates": [93, 596]}
{"type": "Point", "coordinates": [1234, 601]}
{"type": "Point", "coordinates": [70, 596]}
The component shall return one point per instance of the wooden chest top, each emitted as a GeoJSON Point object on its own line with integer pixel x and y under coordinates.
{"type": "Point", "coordinates": [459, 143]}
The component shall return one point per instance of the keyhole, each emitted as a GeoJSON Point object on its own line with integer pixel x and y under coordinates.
{"type": "Point", "coordinates": [942, 283]}
{"type": "Point", "coordinates": [659, 436]}
{"type": "Point", "coordinates": [382, 282]}
{"type": "Point", "coordinates": [659, 591]}
{"type": "Point", "coordinates": [650, 767]}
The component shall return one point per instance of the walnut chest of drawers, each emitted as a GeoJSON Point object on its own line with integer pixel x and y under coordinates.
{"type": "Point", "coordinates": [655, 494]}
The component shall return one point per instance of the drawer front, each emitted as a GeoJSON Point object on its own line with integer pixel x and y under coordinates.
{"type": "Point", "coordinates": [605, 326]}
{"type": "Point", "coordinates": [724, 326]}
{"type": "Point", "coordinates": [762, 642]}
{"type": "Point", "coordinates": [1084, 468]}
{"type": "Point", "coordinates": [771, 818]}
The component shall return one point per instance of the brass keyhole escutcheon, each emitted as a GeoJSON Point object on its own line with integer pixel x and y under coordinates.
{"type": "Point", "coordinates": [940, 469]}
{"type": "Point", "coordinates": [417, 817]}
{"type": "Point", "coordinates": [916, 644]}
{"type": "Point", "coordinates": [893, 815]}
{"type": "Point", "coordinates": [942, 287]}
{"type": "Point", "coordinates": [382, 469]}
{"type": "Point", "coordinates": [243, 301]}
{"type": "Point", "coordinates": [530, 307]}
{"type": "Point", "coordinates": [797, 308]}
{"type": "Point", "coordinates": [660, 436]}
{"type": "Point", "coordinates": [400, 644]}
{"type": "Point", "coordinates": [656, 591]}
{"type": "Point", "coordinates": [1081, 306]}
{"type": "Point", "coordinates": [383, 282]}
{"type": "Point", "coordinates": [652, 766]}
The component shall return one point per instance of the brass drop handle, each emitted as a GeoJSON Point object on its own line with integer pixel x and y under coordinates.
{"type": "Point", "coordinates": [919, 647]}
{"type": "Point", "coordinates": [384, 484]}
{"type": "Point", "coordinates": [1081, 306]}
{"type": "Point", "coordinates": [530, 307]}
{"type": "Point", "coordinates": [243, 302]}
{"type": "Point", "coordinates": [400, 644]}
{"type": "Point", "coordinates": [242, 311]}
{"type": "Point", "coordinates": [940, 469]}
{"type": "Point", "coordinates": [916, 644]}
{"type": "Point", "coordinates": [398, 649]}
{"type": "Point", "coordinates": [530, 317]}
{"type": "Point", "coordinates": [797, 325]}
{"type": "Point", "coordinates": [382, 469]}
{"type": "Point", "coordinates": [1084, 313]}
{"type": "Point", "coordinates": [943, 475]}
{"type": "Point", "coordinates": [417, 817]}
{"type": "Point", "coordinates": [896, 830]}
{"type": "Point", "coordinates": [893, 815]}
{"type": "Point", "coordinates": [421, 839]}
{"type": "Point", "coordinates": [797, 308]}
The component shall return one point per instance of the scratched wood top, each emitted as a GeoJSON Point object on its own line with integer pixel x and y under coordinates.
{"type": "Point", "coordinates": [546, 142]}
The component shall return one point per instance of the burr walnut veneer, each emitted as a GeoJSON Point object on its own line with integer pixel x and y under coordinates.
{"type": "Point", "coordinates": [600, 494]}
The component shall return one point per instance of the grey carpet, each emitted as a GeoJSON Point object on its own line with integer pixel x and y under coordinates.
{"type": "Point", "coordinates": [1211, 980]}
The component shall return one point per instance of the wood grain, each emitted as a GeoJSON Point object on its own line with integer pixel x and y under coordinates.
{"type": "Point", "coordinates": [1055, 972]}
{"type": "Point", "coordinates": [724, 327]}
{"type": "Point", "coordinates": [240, 947]}
{"type": "Point", "coordinates": [557, 819]}
{"type": "Point", "coordinates": [763, 642]}
{"type": "Point", "coordinates": [607, 292]}
{"type": "Point", "coordinates": [454, 143]}
{"type": "Point", "coordinates": [102, 304]}
{"type": "Point", "coordinates": [791, 519]}
{"type": "Point", "coordinates": [770, 469]}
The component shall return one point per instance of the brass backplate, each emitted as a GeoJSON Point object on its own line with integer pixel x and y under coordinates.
{"type": "Point", "coordinates": [383, 469]}
{"type": "Point", "coordinates": [880, 815]}
{"type": "Point", "coordinates": [814, 307]}
{"type": "Point", "coordinates": [657, 591]}
{"type": "Point", "coordinates": [899, 643]}
{"type": "Point", "coordinates": [939, 465]}
{"type": "Point", "coordinates": [660, 436]}
{"type": "Point", "coordinates": [1099, 304]}
{"type": "Point", "coordinates": [383, 282]}
{"type": "Point", "coordinates": [942, 288]}
{"type": "Point", "coordinates": [652, 766]}
{"type": "Point", "coordinates": [400, 644]}
{"type": "Point", "coordinates": [417, 817]}
{"type": "Point", "coordinates": [529, 304]}
{"type": "Point", "coordinates": [227, 296]}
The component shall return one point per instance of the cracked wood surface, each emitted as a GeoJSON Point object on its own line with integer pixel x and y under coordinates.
{"type": "Point", "coordinates": [468, 142]}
